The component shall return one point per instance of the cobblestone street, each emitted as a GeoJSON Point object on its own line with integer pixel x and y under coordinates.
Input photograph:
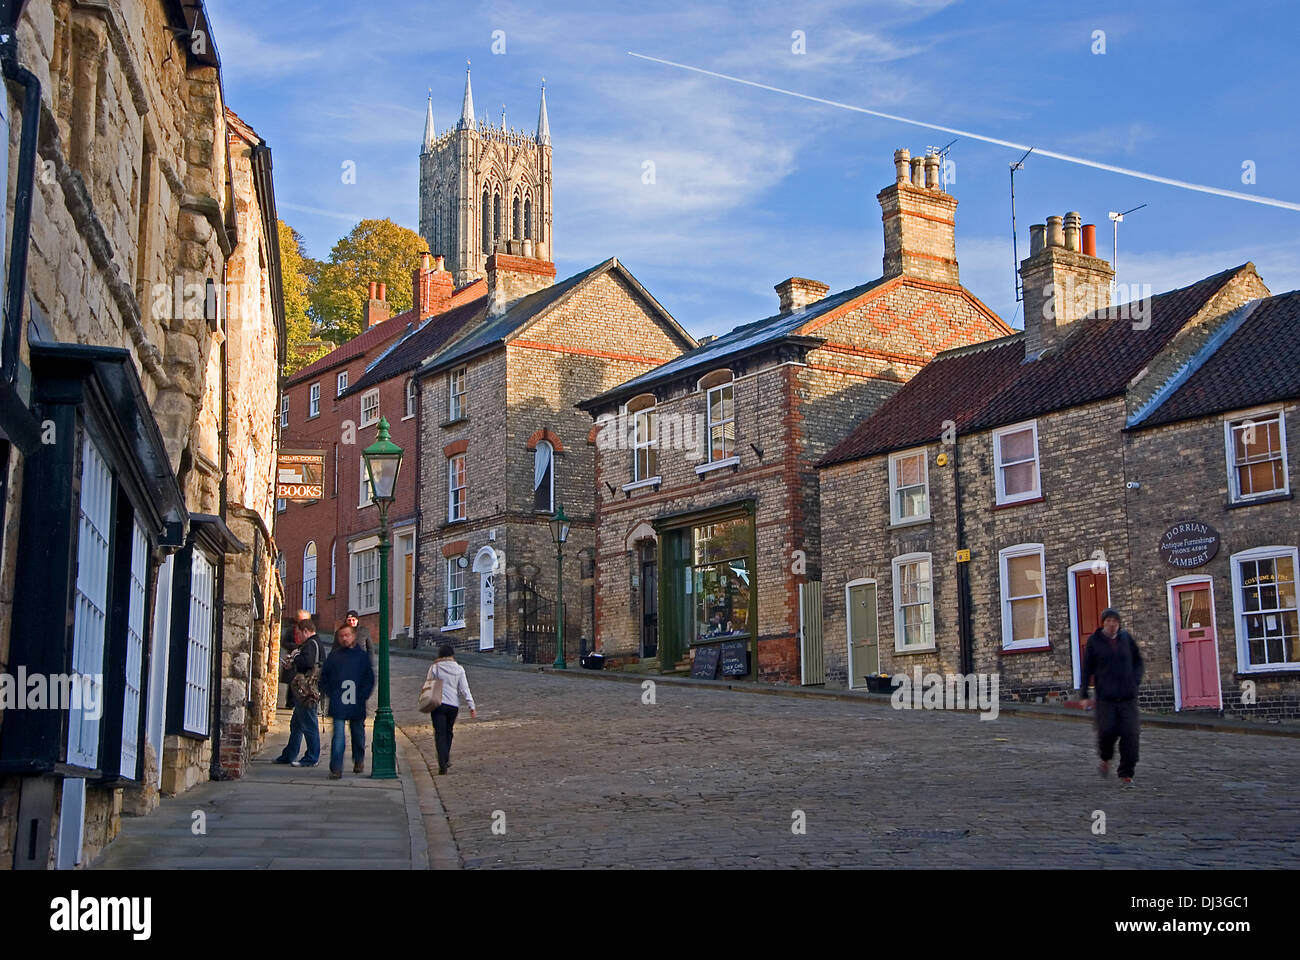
{"type": "Point", "coordinates": [588, 776]}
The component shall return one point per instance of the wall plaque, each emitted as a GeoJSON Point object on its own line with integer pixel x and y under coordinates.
{"type": "Point", "coordinates": [1189, 544]}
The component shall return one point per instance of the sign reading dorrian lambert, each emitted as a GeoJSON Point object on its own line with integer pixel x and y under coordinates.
{"type": "Point", "coordinates": [1189, 544]}
{"type": "Point", "coordinates": [301, 475]}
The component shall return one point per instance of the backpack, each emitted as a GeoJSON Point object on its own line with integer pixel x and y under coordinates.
{"type": "Point", "coordinates": [306, 686]}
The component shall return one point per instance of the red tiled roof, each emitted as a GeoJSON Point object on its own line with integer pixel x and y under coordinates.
{"type": "Point", "coordinates": [362, 343]}
{"type": "Point", "coordinates": [988, 385]}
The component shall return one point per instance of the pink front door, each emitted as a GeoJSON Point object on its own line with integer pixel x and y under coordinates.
{"type": "Point", "coordinates": [1198, 675]}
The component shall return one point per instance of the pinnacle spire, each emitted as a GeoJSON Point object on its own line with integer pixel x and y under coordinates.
{"type": "Point", "coordinates": [467, 107]}
{"type": "Point", "coordinates": [543, 123]}
{"type": "Point", "coordinates": [428, 126]}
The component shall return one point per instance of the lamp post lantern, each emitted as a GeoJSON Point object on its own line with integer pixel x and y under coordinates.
{"type": "Point", "coordinates": [383, 461]}
{"type": "Point", "coordinates": [559, 525]}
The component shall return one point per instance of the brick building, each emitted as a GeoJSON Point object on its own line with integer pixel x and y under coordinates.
{"type": "Point", "coordinates": [142, 297]}
{"type": "Point", "coordinates": [709, 529]}
{"type": "Point", "coordinates": [502, 446]}
{"type": "Point", "coordinates": [1060, 458]}
{"type": "Point", "coordinates": [328, 547]}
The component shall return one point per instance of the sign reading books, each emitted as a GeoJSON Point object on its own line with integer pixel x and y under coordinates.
{"type": "Point", "coordinates": [300, 475]}
{"type": "Point", "coordinates": [1189, 544]}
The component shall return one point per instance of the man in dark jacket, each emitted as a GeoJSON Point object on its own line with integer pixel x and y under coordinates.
{"type": "Point", "coordinates": [347, 680]}
{"type": "Point", "coordinates": [1114, 661]}
{"type": "Point", "coordinates": [303, 726]}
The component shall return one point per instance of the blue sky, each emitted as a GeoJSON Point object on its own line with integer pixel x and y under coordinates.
{"type": "Point", "coordinates": [751, 186]}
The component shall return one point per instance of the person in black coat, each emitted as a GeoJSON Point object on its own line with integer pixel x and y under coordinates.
{"type": "Point", "coordinates": [1113, 659]}
{"type": "Point", "coordinates": [347, 681]}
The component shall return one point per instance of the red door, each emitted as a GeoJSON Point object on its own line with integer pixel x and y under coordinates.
{"type": "Point", "coordinates": [1091, 597]}
{"type": "Point", "coordinates": [1198, 676]}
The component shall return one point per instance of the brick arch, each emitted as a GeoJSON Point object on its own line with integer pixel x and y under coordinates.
{"type": "Point", "coordinates": [547, 435]}
{"type": "Point", "coordinates": [457, 548]}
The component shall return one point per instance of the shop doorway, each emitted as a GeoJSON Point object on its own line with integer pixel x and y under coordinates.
{"type": "Point", "coordinates": [864, 632]}
{"type": "Point", "coordinates": [1196, 653]}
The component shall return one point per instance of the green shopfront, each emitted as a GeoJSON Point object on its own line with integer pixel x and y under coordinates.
{"type": "Point", "coordinates": [708, 595]}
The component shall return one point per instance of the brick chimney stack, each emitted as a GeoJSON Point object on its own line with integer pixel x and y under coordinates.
{"type": "Point", "coordinates": [1064, 280]}
{"type": "Point", "coordinates": [376, 309]}
{"type": "Point", "coordinates": [512, 278]}
{"type": "Point", "coordinates": [431, 286]}
{"type": "Point", "coordinates": [920, 219]}
{"type": "Point", "coordinates": [797, 292]}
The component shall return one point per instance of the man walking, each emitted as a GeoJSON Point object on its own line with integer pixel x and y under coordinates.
{"type": "Point", "coordinates": [1113, 659]}
{"type": "Point", "coordinates": [305, 692]}
{"type": "Point", "coordinates": [347, 680]}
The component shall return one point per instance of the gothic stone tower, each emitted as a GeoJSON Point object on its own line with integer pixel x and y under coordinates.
{"type": "Point", "coordinates": [483, 189]}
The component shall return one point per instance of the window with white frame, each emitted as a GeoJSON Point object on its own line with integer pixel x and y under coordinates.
{"type": "Point", "coordinates": [313, 400]}
{"type": "Point", "coordinates": [456, 400]}
{"type": "Point", "coordinates": [1015, 463]}
{"type": "Point", "coordinates": [412, 398]}
{"type": "Point", "coordinates": [909, 487]}
{"type": "Point", "coordinates": [369, 407]}
{"type": "Point", "coordinates": [133, 692]}
{"type": "Point", "coordinates": [456, 488]}
{"type": "Point", "coordinates": [364, 499]}
{"type": "Point", "coordinates": [455, 593]}
{"type": "Point", "coordinates": [365, 580]}
{"type": "Point", "coordinates": [284, 410]}
{"type": "Point", "coordinates": [913, 602]}
{"type": "Point", "coordinates": [544, 478]}
{"type": "Point", "coordinates": [722, 423]}
{"type": "Point", "coordinates": [341, 383]}
{"type": "Point", "coordinates": [198, 659]}
{"type": "Point", "coordinates": [645, 462]}
{"type": "Point", "coordinates": [1256, 448]}
{"type": "Point", "coordinates": [90, 600]}
{"type": "Point", "coordinates": [1264, 601]}
{"type": "Point", "coordinates": [309, 577]}
{"type": "Point", "coordinates": [1024, 596]}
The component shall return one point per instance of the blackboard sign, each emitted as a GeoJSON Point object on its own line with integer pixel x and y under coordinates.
{"type": "Point", "coordinates": [735, 658]}
{"type": "Point", "coordinates": [705, 664]}
{"type": "Point", "coordinates": [1189, 544]}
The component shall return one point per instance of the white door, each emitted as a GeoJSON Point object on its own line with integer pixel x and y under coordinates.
{"type": "Point", "coordinates": [72, 824]}
{"type": "Point", "coordinates": [486, 611]}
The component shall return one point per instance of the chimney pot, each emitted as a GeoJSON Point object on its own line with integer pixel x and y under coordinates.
{"type": "Point", "coordinates": [902, 161]}
{"type": "Point", "coordinates": [1090, 239]}
{"type": "Point", "coordinates": [1072, 230]}
{"type": "Point", "coordinates": [1037, 238]}
{"type": "Point", "coordinates": [918, 171]}
{"type": "Point", "coordinates": [932, 172]}
{"type": "Point", "coordinates": [424, 262]}
{"type": "Point", "coordinates": [383, 292]}
{"type": "Point", "coordinates": [438, 262]}
{"type": "Point", "coordinates": [1055, 232]}
{"type": "Point", "coordinates": [371, 295]}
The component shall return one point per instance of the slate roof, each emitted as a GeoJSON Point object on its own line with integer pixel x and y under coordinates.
{"type": "Point", "coordinates": [988, 385]}
{"type": "Point", "coordinates": [742, 339]}
{"type": "Point", "coordinates": [363, 342]}
{"type": "Point", "coordinates": [1258, 363]}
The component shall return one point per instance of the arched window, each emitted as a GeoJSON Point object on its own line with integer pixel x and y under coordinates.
{"type": "Point", "coordinates": [309, 577]}
{"type": "Point", "coordinates": [544, 478]}
{"type": "Point", "coordinates": [487, 223]}
{"type": "Point", "coordinates": [517, 217]}
{"type": "Point", "coordinates": [528, 218]}
{"type": "Point", "coordinates": [333, 569]}
{"type": "Point", "coordinates": [496, 216]}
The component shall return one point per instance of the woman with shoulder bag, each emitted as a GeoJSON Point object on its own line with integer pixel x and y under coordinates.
{"type": "Point", "coordinates": [440, 697]}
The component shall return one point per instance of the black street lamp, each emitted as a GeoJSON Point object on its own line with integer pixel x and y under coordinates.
{"type": "Point", "coordinates": [559, 525]}
{"type": "Point", "coordinates": [383, 461]}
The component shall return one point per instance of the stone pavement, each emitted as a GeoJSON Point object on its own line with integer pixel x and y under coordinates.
{"type": "Point", "coordinates": [582, 773]}
{"type": "Point", "coordinates": [282, 817]}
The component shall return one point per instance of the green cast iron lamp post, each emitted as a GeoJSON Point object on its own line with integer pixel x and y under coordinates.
{"type": "Point", "coordinates": [383, 461]}
{"type": "Point", "coordinates": [559, 533]}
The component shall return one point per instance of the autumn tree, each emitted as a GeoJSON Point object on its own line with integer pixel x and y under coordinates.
{"type": "Point", "coordinates": [296, 270]}
{"type": "Point", "coordinates": [378, 250]}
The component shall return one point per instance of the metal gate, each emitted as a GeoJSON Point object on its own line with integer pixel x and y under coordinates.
{"type": "Point", "coordinates": [812, 651]}
{"type": "Point", "coordinates": [537, 613]}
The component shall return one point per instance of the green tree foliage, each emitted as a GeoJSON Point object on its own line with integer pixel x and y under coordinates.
{"type": "Point", "coordinates": [296, 271]}
{"type": "Point", "coordinates": [378, 250]}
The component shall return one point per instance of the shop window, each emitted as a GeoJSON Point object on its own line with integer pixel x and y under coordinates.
{"type": "Point", "coordinates": [90, 600]}
{"type": "Point", "coordinates": [913, 602]}
{"type": "Point", "coordinates": [909, 487]}
{"type": "Point", "coordinates": [456, 488]}
{"type": "Point", "coordinates": [722, 578]}
{"type": "Point", "coordinates": [1264, 602]}
{"type": "Point", "coordinates": [1256, 448]}
{"type": "Point", "coordinates": [135, 632]}
{"type": "Point", "coordinates": [1015, 463]}
{"type": "Point", "coordinates": [1024, 596]}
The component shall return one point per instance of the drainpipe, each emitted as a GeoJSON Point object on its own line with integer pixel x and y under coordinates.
{"type": "Point", "coordinates": [964, 630]}
{"type": "Point", "coordinates": [419, 512]}
{"type": "Point", "coordinates": [218, 646]}
{"type": "Point", "coordinates": [16, 282]}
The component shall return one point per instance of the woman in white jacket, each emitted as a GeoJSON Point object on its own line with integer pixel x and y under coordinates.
{"type": "Point", "coordinates": [454, 687]}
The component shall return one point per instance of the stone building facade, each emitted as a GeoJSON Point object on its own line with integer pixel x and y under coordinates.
{"type": "Point", "coordinates": [709, 532]}
{"type": "Point", "coordinates": [485, 188]}
{"type": "Point", "coordinates": [1046, 457]}
{"type": "Point", "coordinates": [503, 446]}
{"type": "Point", "coordinates": [149, 282]}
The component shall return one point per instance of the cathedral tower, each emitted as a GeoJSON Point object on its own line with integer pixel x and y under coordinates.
{"type": "Point", "coordinates": [483, 189]}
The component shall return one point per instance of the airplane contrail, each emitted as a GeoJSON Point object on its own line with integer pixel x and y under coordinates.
{"type": "Point", "coordinates": [1038, 151]}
